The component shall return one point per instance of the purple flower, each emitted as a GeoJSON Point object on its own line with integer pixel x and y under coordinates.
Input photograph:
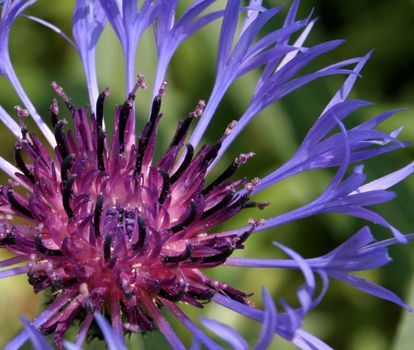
{"type": "Point", "coordinates": [116, 235]}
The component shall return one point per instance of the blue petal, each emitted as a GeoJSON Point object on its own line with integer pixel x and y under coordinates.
{"type": "Point", "coordinates": [226, 333]}
{"type": "Point", "coordinates": [36, 338]}
{"type": "Point", "coordinates": [111, 340]}
{"type": "Point", "coordinates": [269, 322]}
{"type": "Point", "coordinates": [369, 287]}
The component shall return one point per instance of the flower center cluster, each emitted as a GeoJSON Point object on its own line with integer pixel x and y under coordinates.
{"type": "Point", "coordinates": [111, 229]}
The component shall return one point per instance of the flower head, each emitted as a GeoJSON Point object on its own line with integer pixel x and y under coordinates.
{"type": "Point", "coordinates": [117, 234]}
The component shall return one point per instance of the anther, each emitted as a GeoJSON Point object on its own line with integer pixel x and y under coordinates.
{"type": "Point", "coordinates": [14, 203]}
{"type": "Point", "coordinates": [201, 294]}
{"type": "Point", "coordinates": [123, 119]}
{"type": "Point", "coordinates": [139, 84]}
{"type": "Point", "coordinates": [184, 165]}
{"type": "Point", "coordinates": [256, 223]}
{"type": "Point", "coordinates": [61, 93]}
{"type": "Point", "coordinates": [22, 165]}
{"type": "Point", "coordinates": [61, 139]}
{"type": "Point", "coordinates": [230, 128]}
{"type": "Point", "coordinates": [163, 88]}
{"type": "Point", "coordinates": [252, 184]}
{"type": "Point", "coordinates": [100, 149]}
{"type": "Point", "coordinates": [186, 254]}
{"type": "Point", "coordinates": [97, 214]}
{"type": "Point", "coordinates": [42, 249]}
{"type": "Point", "coordinates": [107, 247]}
{"type": "Point", "coordinates": [165, 185]}
{"type": "Point", "coordinates": [172, 297]}
{"type": "Point", "coordinates": [8, 239]}
{"type": "Point", "coordinates": [252, 204]}
{"type": "Point", "coordinates": [231, 169]}
{"type": "Point", "coordinates": [225, 201]}
{"type": "Point", "coordinates": [142, 142]}
{"type": "Point", "coordinates": [199, 109]}
{"type": "Point", "coordinates": [100, 107]}
{"type": "Point", "coordinates": [142, 232]}
{"type": "Point", "coordinates": [182, 129]}
{"type": "Point", "coordinates": [22, 113]}
{"type": "Point", "coordinates": [67, 194]}
{"type": "Point", "coordinates": [53, 113]}
{"type": "Point", "coordinates": [212, 153]}
{"type": "Point", "coordinates": [184, 125]}
{"type": "Point", "coordinates": [220, 257]}
{"type": "Point", "coordinates": [188, 220]}
{"type": "Point", "coordinates": [66, 166]}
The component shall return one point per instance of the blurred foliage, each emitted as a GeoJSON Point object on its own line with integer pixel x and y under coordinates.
{"type": "Point", "coordinates": [347, 319]}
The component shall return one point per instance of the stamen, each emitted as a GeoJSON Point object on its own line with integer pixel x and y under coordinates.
{"type": "Point", "coordinates": [107, 247]}
{"type": "Point", "coordinates": [139, 84]}
{"type": "Point", "coordinates": [142, 232]}
{"type": "Point", "coordinates": [163, 88]}
{"type": "Point", "coordinates": [252, 184]}
{"type": "Point", "coordinates": [200, 294]}
{"type": "Point", "coordinates": [231, 169]}
{"type": "Point", "coordinates": [252, 204]}
{"type": "Point", "coordinates": [165, 185]}
{"type": "Point", "coordinates": [184, 125]}
{"type": "Point", "coordinates": [155, 108]}
{"type": "Point", "coordinates": [17, 206]}
{"type": "Point", "coordinates": [184, 165]}
{"type": "Point", "coordinates": [53, 113]}
{"type": "Point", "coordinates": [217, 258]}
{"type": "Point", "coordinates": [22, 113]}
{"type": "Point", "coordinates": [245, 235]}
{"type": "Point", "coordinates": [61, 139]}
{"type": "Point", "coordinates": [100, 149]}
{"type": "Point", "coordinates": [225, 201]}
{"type": "Point", "coordinates": [172, 297]}
{"type": "Point", "coordinates": [8, 240]}
{"type": "Point", "coordinates": [100, 108]}
{"type": "Point", "coordinates": [186, 254]}
{"type": "Point", "coordinates": [67, 194]}
{"type": "Point", "coordinates": [123, 118]}
{"type": "Point", "coordinates": [66, 167]}
{"type": "Point", "coordinates": [199, 109]}
{"type": "Point", "coordinates": [61, 93]}
{"type": "Point", "coordinates": [21, 164]}
{"type": "Point", "coordinates": [42, 249]}
{"type": "Point", "coordinates": [230, 128]}
{"type": "Point", "coordinates": [142, 141]}
{"type": "Point", "coordinates": [188, 220]}
{"type": "Point", "coordinates": [212, 153]}
{"type": "Point", "coordinates": [97, 214]}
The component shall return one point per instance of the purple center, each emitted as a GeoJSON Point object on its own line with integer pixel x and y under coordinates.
{"type": "Point", "coordinates": [116, 232]}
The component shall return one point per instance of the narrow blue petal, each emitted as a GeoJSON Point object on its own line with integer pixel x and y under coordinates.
{"type": "Point", "coordinates": [228, 334]}
{"type": "Point", "coordinates": [269, 322]}
{"type": "Point", "coordinates": [369, 287]}
{"type": "Point", "coordinates": [70, 346]}
{"type": "Point", "coordinates": [228, 30]}
{"type": "Point", "coordinates": [36, 338]}
{"type": "Point", "coordinates": [346, 88]}
{"type": "Point", "coordinates": [304, 267]}
{"type": "Point", "coordinates": [389, 180]}
{"type": "Point", "coordinates": [113, 342]}
{"type": "Point", "coordinates": [195, 344]}
{"type": "Point", "coordinates": [307, 341]}
{"type": "Point", "coordinates": [249, 35]}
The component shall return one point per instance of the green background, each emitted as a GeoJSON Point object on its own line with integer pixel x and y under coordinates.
{"type": "Point", "coordinates": [347, 318]}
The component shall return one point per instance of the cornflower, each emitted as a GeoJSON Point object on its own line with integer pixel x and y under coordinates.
{"type": "Point", "coordinates": [115, 235]}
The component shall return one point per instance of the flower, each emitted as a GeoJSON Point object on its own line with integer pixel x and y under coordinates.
{"type": "Point", "coordinates": [116, 235]}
